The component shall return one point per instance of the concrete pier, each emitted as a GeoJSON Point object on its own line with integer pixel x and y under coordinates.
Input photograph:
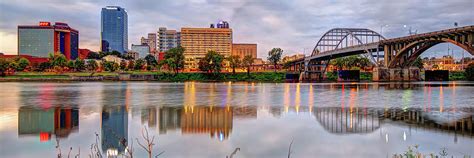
{"type": "Point", "coordinates": [396, 74]}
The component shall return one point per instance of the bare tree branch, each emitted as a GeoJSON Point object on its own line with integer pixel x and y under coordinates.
{"type": "Point", "coordinates": [233, 153]}
{"type": "Point", "coordinates": [289, 149]}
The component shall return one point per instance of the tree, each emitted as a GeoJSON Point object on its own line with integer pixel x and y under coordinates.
{"type": "Point", "coordinates": [470, 72]}
{"type": "Point", "coordinates": [350, 62]}
{"type": "Point", "coordinates": [131, 65]}
{"type": "Point", "coordinates": [116, 53]}
{"type": "Point", "coordinates": [139, 64]}
{"type": "Point", "coordinates": [174, 59]}
{"type": "Point", "coordinates": [418, 63]}
{"type": "Point", "coordinates": [79, 64]}
{"type": "Point", "coordinates": [93, 55]}
{"type": "Point", "coordinates": [70, 65]}
{"type": "Point", "coordinates": [123, 65]}
{"type": "Point", "coordinates": [92, 65]}
{"type": "Point", "coordinates": [22, 64]}
{"type": "Point", "coordinates": [4, 65]}
{"type": "Point", "coordinates": [13, 65]}
{"type": "Point", "coordinates": [151, 60]}
{"type": "Point", "coordinates": [234, 62]}
{"type": "Point", "coordinates": [339, 63]}
{"type": "Point", "coordinates": [44, 66]}
{"type": "Point", "coordinates": [247, 62]}
{"type": "Point", "coordinates": [211, 63]}
{"type": "Point", "coordinates": [363, 62]}
{"type": "Point", "coordinates": [110, 66]}
{"type": "Point", "coordinates": [274, 56]}
{"type": "Point", "coordinates": [58, 60]}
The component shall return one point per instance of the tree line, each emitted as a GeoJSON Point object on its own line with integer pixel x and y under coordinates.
{"type": "Point", "coordinates": [173, 61]}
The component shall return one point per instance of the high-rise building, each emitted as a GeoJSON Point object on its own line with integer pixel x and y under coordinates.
{"type": "Point", "coordinates": [152, 41]}
{"type": "Point", "coordinates": [114, 29]}
{"type": "Point", "coordinates": [45, 38]}
{"type": "Point", "coordinates": [242, 50]}
{"type": "Point", "coordinates": [144, 40]}
{"type": "Point", "coordinates": [198, 41]}
{"type": "Point", "coordinates": [167, 39]}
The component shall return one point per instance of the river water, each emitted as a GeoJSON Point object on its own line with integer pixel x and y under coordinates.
{"type": "Point", "coordinates": [213, 119]}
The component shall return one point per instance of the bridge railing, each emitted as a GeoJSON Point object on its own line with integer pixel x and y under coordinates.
{"type": "Point", "coordinates": [428, 34]}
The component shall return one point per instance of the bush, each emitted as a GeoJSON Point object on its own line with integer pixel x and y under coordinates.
{"type": "Point", "coordinates": [469, 72]}
{"type": "Point", "coordinates": [457, 75]}
{"type": "Point", "coordinates": [331, 76]}
{"type": "Point", "coordinates": [366, 76]}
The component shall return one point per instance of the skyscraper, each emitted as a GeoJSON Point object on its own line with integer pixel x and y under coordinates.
{"type": "Point", "coordinates": [114, 29]}
{"type": "Point", "coordinates": [198, 41]}
{"type": "Point", "coordinates": [46, 38]}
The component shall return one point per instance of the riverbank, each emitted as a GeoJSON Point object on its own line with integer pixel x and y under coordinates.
{"type": "Point", "coordinates": [272, 77]}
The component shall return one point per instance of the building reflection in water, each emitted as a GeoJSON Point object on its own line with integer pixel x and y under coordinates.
{"type": "Point", "coordinates": [215, 121]}
{"type": "Point", "coordinates": [114, 129]}
{"type": "Point", "coordinates": [149, 115]}
{"type": "Point", "coordinates": [169, 119]}
{"type": "Point", "coordinates": [114, 120]}
{"type": "Point", "coordinates": [60, 121]}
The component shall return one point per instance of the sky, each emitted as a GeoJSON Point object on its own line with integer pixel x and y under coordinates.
{"type": "Point", "coordinates": [293, 25]}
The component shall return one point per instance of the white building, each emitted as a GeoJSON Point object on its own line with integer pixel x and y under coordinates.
{"type": "Point", "coordinates": [168, 39]}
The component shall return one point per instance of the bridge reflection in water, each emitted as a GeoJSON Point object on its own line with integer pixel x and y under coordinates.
{"type": "Point", "coordinates": [366, 120]}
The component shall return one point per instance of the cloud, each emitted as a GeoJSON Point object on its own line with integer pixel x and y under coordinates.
{"type": "Point", "coordinates": [294, 26]}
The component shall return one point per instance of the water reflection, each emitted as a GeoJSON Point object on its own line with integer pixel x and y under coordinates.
{"type": "Point", "coordinates": [44, 122]}
{"type": "Point", "coordinates": [114, 129]}
{"type": "Point", "coordinates": [367, 120]}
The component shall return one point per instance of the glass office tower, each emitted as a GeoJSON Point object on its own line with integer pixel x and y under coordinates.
{"type": "Point", "coordinates": [114, 29]}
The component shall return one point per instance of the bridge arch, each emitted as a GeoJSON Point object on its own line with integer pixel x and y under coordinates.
{"type": "Point", "coordinates": [338, 38]}
{"type": "Point", "coordinates": [407, 55]}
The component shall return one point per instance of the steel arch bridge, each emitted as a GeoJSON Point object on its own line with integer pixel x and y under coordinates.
{"type": "Point", "coordinates": [396, 52]}
{"type": "Point", "coordinates": [345, 38]}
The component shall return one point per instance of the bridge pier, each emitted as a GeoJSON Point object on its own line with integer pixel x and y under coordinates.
{"type": "Point", "coordinates": [382, 74]}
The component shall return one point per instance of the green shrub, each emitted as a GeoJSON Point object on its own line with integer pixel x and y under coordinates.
{"type": "Point", "coordinates": [470, 72]}
{"type": "Point", "coordinates": [366, 76]}
{"type": "Point", "coordinates": [457, 75]}
{"type": "Point", "coordinates": [331, 76]}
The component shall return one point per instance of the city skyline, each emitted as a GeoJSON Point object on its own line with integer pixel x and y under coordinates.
{"type": "Point", "coordinates": [263, 22]}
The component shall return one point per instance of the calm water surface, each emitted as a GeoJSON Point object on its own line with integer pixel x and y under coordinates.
{"type": "Point", "coordinates": [212, 119]}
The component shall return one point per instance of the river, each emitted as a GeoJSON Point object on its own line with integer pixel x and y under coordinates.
{"type": "Point", "coordinates": [194, 119]}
